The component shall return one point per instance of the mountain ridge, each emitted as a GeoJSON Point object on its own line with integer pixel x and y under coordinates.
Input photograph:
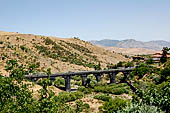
{"type": "Point", "coordinates": [132, 43]}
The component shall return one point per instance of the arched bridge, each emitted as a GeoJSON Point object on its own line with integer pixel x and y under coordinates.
{"type": "Point", "coordinates": [97, 73]}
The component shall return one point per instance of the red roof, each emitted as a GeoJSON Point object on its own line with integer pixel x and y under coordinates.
{"type": "Point", "coordinates": [158, 55]}
{"type": "Point", "coordinates": [168, 56]}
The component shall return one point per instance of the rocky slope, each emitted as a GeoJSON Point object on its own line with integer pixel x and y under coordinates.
{"type": "Point", "coordinates": [59, 54]}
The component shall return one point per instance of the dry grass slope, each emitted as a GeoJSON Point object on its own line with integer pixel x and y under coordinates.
{"type": "Point", "coordinates": [59, 54]}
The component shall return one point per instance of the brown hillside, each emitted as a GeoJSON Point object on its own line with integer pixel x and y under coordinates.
{"type": "Point", "coordinates": [131, 51]}
{"type": "Point", "coordinates": [59, 54]}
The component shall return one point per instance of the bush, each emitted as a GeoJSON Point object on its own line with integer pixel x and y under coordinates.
{"type": "Point", "coordinates": [137, 108]}
{"type": "Point", "coordinates": [129, 64]}
{"type": "Point", "coordinates": [69, 96]}
{"type": "Point", "coordinates": [59, 81]}
{"type": "Point", "coordinates": [150, 61]}
{"type": "Point", "coordinates": [104, 97]}
{"type": "Point", "coordinates": [165, 73]}
{"type": "Point", "coordinates": [77, 78]}
{"type": "Point", "coordinates": [48, 41]}
{"type": "Point", "coordinates": [141, 70]}
{"type": "Point", "coordinates": [114, 105]}
{"type": "Point", "coordinates": [1, 42]}
{"type": "Point", "coordinates": [85, 90]}
{"type": "Point", "coordinates": [80, 107]}
{"type": "Point", "coordinates": [15, 96]}
{"type": "Point", "coordinates": [156, 95]}
{"type": "Point", "coordinates": [116, 89]}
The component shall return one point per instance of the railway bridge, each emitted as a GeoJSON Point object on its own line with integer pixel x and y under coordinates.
{"type": "Point", "coordinates": [97, 73]}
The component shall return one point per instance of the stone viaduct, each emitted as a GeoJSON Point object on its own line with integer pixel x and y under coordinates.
{"type": "Point", "coordinates": [97, 73]}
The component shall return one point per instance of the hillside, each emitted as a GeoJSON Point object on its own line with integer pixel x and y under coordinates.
{"type": "Point", "coordinates": [59, 54]}
{"type": "Point", "coordinates": [131, 51]}
{"type": "Point", "coordinates": [131, 43]}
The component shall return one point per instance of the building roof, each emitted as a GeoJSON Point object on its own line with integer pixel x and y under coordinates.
{"type": "Point", "coordinates": [159, 55]}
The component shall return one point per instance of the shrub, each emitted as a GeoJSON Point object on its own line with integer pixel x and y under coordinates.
{"type": "Point", "coordinates": [104, 97]}
{"type": "Point", "coordinates": [143, 108]}
{"type": "Point", "coordinates": [69, 96]}
{"type": "Point", "coordinates": [59, 82]}
{"type": "Point", "coordinates": [165, 73]}
{"type": "Point", "coordinates": [156, 95]}
{"type": "Point", "coordinates": [116, 89]}
{"type": "Point", "coordinates": [141, 70]}
{"type": "Point", "coordinates": [23, 48]}
{"type": "Point", "coordinates": [1, 42]}
{"type": "Point", "coordinates": [77, 78]}
{"type": "Point", "coordinates": [48, 41]}
{"type": "Point", "coordinates": [85, 90]}
{"type": "Point", "coordinates": [129, 64]}
{"type": "Point", "coordinates": [80, 107]}
{"type": "Point", "coordinates": [114, 105]}
{"type": "Point", "coordinates": [150, 61]}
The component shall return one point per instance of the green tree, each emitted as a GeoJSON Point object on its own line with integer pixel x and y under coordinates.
{"type": "Point", "coordinates": [164, 54]}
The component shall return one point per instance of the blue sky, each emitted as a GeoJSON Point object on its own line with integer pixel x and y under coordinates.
{"type": "Point", "coordinates": [143, 20]}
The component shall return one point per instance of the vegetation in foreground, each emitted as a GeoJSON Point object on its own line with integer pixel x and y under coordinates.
{"type": "Point", "coordinates": [152, 94]}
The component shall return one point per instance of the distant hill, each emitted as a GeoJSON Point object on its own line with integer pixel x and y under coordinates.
{"type": "Point", "coordinates": [131, 43]}
{"type": "Point", "coordinates": [131, 51]}
{"type": "Point", "coordinates": [59, 54]}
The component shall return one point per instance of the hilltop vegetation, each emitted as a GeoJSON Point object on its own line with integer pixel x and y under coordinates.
{"type": "Point", "coordinates": [59, 54]}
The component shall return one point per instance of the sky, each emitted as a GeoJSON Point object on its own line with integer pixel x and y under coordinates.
{"type": "Point", "coordinates": [143, 20]}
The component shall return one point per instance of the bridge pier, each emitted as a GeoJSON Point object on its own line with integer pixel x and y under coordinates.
{"type": "Point", "coordinates": [67, 83]}
{"type": "Point", "coordinates": [34, 79]}
{"type": "Point", "coordinates": [98, 77]}
{"type": "Point", "coordinates": [84, 82]}
{"type": "Point", "coordinates": [126, 73]}
{"type": "Point", "coordinates": [52, 78]}
{"type": "Point", "coordinates": [113, 77]}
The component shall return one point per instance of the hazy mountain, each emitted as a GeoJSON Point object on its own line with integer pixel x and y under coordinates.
{"type": "Point", "coordinates": [131, 43]}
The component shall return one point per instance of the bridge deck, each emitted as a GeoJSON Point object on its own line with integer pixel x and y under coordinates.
{"type": "Point", "coordinates": [81, 73]}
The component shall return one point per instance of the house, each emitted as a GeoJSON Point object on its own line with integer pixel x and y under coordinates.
{"type": "Point", "coordinates": [138, 58]}
{"type": "Point", "coordinates": [157, 56]}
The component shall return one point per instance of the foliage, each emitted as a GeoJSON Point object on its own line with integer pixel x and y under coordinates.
{"type": "Point", "coordinates": [98, 66]}
{"type": "Point", "coordinates": [104, 97]}
{"type": "Point", "coordinates": [149, 61]}
{"type": "Point", "coordinates": [15, 96]}
{"type": "Point", "coordinates": [116, 89]}
{"type": "Point", "coordinates": [85, 90]}
{"type": "Point", "coordinates": [140, 108]}
{"type": "Point", "coordinates": [76, 77]}
{"type": "Point", "coordinates": [164, 53]}
{"type": "Point", "coordinates": [59, 81]}
{"type": "Point", "coordinates": [69, 96]}
{"type": "Point", "coordinates": [48, 41]}
{"type": "Point", "coordinates": [155, 95]}
{"type": "Point", "coordinates": [60, 53]}
{"type": "Point", "coordinates": [1, 42]}
{"type": "Point", "coordinates": [129, 64]}
{"type": "Point", "coordinates": [23, 48]}
{"type": "Point", "coordinates": [114, 105]}
{"type": "Point", "coordinates": [80, 107]}
{"type": "Point", "coordinates": [165, 73]}
{"type": "Point", "coordinates": [141, 70]}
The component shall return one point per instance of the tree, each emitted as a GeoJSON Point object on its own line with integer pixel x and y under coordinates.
{"type": "Point", "coordinates": [164, 54]}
